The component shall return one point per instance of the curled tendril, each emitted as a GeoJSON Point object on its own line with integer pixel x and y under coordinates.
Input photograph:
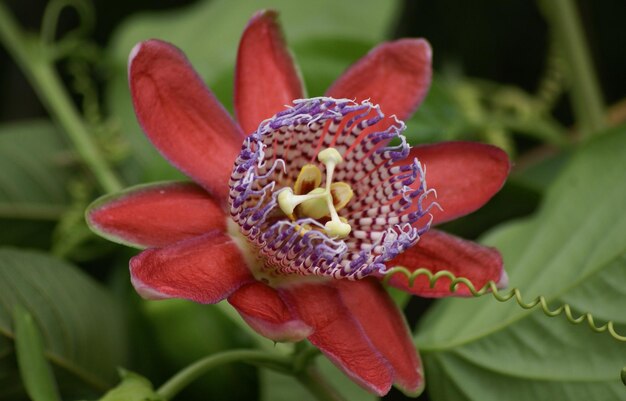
{"type": "Point", "coordinates": [50, 20]}
{"type": "Point", "coordinates": [492, 288]}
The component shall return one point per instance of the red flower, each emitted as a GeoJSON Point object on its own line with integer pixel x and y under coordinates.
{"type": "Point", "coordinates": [257, 228]}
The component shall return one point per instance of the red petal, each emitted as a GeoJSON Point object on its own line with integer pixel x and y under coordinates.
{"type": "Point", "coordinates": [263, 309]}
{"type": "Point", "coordinates": [386, 327]}
{"type": "Point", "coordinates": [156, 215]}
{"type": "Point", "coordinates": [395, 75]}
{"type": "Point", "coordinates": [204, 269]}
{"type": "Point", "coordinates": [464, 174]}
{"type": "Point", "coordinates": [266, 78]}
{"type": "Point", "coordinates": [437, 251]}
{"type": "Point", "coordinates": [339, 336]}
{"type": "Point", "coordinates": [181, 116]}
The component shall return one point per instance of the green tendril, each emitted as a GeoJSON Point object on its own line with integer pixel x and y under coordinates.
{"type": "Point", "coordinates": [491, 287]}
{"type": "Point", "coordinates": [53, 11]}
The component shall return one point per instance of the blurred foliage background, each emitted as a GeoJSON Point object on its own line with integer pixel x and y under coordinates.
{"type": "Point", "coordinates": [500, 77]}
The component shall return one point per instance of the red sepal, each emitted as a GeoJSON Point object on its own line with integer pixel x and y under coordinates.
{"type": "Point", "coordinates": [203, 269]}
{"type": "Point", "coordinates": [464, 174]}
{"type": "Point", "coordinates": [395, 75]}
{"type": "Point", "coordinates": [181, 117]}
{"type": "Point", "coordinates": [266, 78]}
{"type": "Point", "coordinates": [263, 309]}
{"type": "Point", "coordinates": [156, 215]}
{"type": "Point", "coordinates": [386, 328]}
{"type": "Point", "coordinates": [437, 251]}
{"type": "Point", "coordinates": [339, 336]}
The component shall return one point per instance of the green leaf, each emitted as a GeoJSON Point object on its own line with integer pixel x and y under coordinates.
{"type": "Point", "coordinates": [81, 325]}
{"type": "Point", "coordinates": [326, 34]}
{"type": "Point", "coordinates": [573, 251]}
{"type": "Point", "coordinates": [33, 193]}
{"type": "Point", "coordinates": [34, 368]}
{"type": "Point", "coordinates": [34, 172]}
{"type": "Point", "coordinates": [132, 388]}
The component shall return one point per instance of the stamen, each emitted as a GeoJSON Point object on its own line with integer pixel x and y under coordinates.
{"type": "Point", "coordinates": [330, 156]}
{"type": "Point", "coordinates": [310, 177]}
{"type": "Point", "coordinates": [342, 193]}
{"type": "Point", "coordinates": [335, 227]}
{"type": "Point", "coordinates": [319, 202]}
{"type": "Point", "coordinates": [287, 201]}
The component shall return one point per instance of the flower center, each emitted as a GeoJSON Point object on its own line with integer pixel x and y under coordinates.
{"type": "Point", "coordinates": [308, 199]}
{"type": "Point", "coordinates": [284, 200]}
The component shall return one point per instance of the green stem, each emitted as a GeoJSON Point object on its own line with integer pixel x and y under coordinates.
{"type": "Point", "coordinates": [308, 377]}
{"type": "Point", "coordinates": [586, 95]}
{"type": "Point", "coordinates": [32, 211]}
{"type": "Point", "coordinates": [33, 59]}
{"type": "Point", "coordinates": [183, 378]}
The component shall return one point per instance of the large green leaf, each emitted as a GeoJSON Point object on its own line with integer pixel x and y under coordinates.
{"type": "Point", "coordinates": [81, 324]}
{"type": "Point", "coordinates": [34, 173]}
{"type": "Point", "coordinates": [35, 370]}
{"type": "Point", "coordinates": [327, 36]}
{"type": "Point", "coordinates": [574, 251]}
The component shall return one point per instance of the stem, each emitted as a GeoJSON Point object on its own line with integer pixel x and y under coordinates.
{"type": "Point", "coordinates": [309, 377]}
{"type": "Point", "coordinates": [32, 58]}
{"type": "Point", "coordinates": [32, 211]}
{"type": "Point", "coordinates": [586, 95]}
{"type": "Point", "coordinates": [183, 378]}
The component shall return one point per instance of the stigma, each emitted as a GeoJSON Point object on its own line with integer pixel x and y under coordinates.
{"type": "Point", "coordinates": [309, 199]}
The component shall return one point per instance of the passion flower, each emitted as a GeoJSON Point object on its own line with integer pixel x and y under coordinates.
{"type": "Point", "coordinates": [296, 221]}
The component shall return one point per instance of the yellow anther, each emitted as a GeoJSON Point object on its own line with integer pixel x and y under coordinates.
{"type": "Point", "coordinates": [337, 228]}
{"type": "Point", "coordinates": [310, 177]}
{"type": "Point", "coordinates": [330, 155]}
{"type": "Point", "coordinates": [341, 193]}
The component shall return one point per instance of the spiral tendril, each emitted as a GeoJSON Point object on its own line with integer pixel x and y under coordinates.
{"type": "Point", "coordinates": [503, 297]}
{"type": "Point", "coordinates": [492, 287]}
